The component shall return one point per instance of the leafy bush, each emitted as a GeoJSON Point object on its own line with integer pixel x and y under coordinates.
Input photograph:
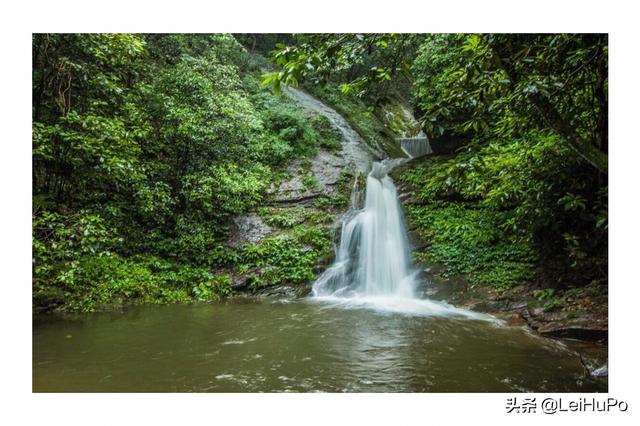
{"type": "Point", "coordinates": [285, 259]}
{"type": "Point", "coordinates": [280, 218]}
{"type": "Point", "coordinates": [528, 179]}
{"type": "Point", "coordinates": [292, 127]}
{"type": "Point", "coordinates": [227, 188]}
{"type": "Point", "coordinates": [468, 240]}
{"type": "Point", "coordinates": [329, 137]}
{"type": "Point", "coordinates": [277, 260]}
{"type": "Point", "coordinates": [337, 201]}
{"type": "Point", "coordinates": [314, 236]}
{"type": "Point", "coordinates": [310, 181]}
{"type": "Point", "coordinates": [90, 282]}
{"type": "Point", "coordinates": [213, 288]}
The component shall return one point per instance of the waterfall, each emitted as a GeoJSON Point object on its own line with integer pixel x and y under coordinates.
{"type": "Point", "coordinates": [373, 261]}
{"type": "Point", "coordinates": [373, 258]}
{"type": "Point", "coordinates": [417, 146]}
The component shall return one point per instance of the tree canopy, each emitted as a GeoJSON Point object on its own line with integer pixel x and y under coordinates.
{"type": "Point", "coordinates": [495, 85]}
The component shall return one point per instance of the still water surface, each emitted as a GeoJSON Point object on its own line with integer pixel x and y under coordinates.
{"type": "Point", "coordinates": [299, 346]}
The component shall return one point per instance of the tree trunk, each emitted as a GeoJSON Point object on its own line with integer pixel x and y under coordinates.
{"type": "Point", "coordinates": [588, 151]}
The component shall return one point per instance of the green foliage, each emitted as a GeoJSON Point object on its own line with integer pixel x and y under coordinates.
{"type": "Point", "coordinates": [213, 288]}
{"type": "Point", "coordinates": [375, 58]}
{"type": "Point", "coordinates": [281, 221]}
{"type": "Point", "coordinates": [277, 261]}
{"type": "Point", "coordinates": [285, 218]}
{"type": "Point", "coordinates": [310, 181]}
{"type": "Point", "coordinates": [143, 147]}
{"type": "Point", "coordinates": [541, 295]}
{"type": "Point", "coordinates": [58, 242]}
{"type": "Point", "coordinates": [496, 211]}
{"type": "Point", "coordinates": [533, 181]}
{"type": "Point", "coordinates": [195, 241]}
{"type": "Point", "coordinates": [243, 188]}
{"type": "Point", "coordinates": [76, 268]}
{"type": "Point", "coordinates": [397, 121]}
{"type": "Point", "coordinates": [315, 237]}
{"type": "Point", "coordinates": [292, 127]}
{"type": "Point", "coordinates": [361, 116]}
{"type": "Point", "coordinates": [548, 298]}
{"type": "Point", "coordinates": [500, 85]}
{"type": "Point", "coordinates": [89, 282]}
{"type": "Point", "coordinates": [573, 202]}
{"type": "Point", "coordinates": [330, 138]}
{"type": "Point", "coordinates": [337, 201]}
{"type": "Point", "coordinates": [62, 237]}
{"type": "Point", "coordinates": [468, 240]}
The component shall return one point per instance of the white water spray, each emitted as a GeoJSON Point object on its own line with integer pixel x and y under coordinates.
{"type": "Point", "coordinates": [373, 266]}
{"type": "Point", "coordinates": [373, 256]}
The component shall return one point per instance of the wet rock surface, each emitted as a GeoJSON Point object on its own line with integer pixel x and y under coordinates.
{"type": "Point", "coordinates": [285, 292]}
{"type": "Point", "coordinates": [601, 371]}
{"type": "Point", "coordinates": [355, 152]}
{"type": "Point", "coordinates": [308, 179]}
{"type": "Point", "coordinates": [248, 228]}
{"type": "Point", "coordinates": [517, 306]}
{"type": "Point", "coordinates": [326, 169]}
{"type": "Point", "coordinates": [587, 326]}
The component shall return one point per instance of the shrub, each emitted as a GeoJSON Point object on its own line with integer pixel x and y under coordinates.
{"type": "Point", "coordinates": [468, 240]}
{"type": "Point", "coordinates": [329, 137]}
{"type": "Point", "coordinates": [292, 127]}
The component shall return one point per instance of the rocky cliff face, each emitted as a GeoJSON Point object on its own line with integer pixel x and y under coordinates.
{"type": "Point", "coordinates": [314, 193]}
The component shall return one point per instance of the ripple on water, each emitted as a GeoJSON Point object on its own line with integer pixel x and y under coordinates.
{"type": "Point", "coordinates": [238, 341]}
{"type": "Point", "coordinates": [406, 306]}
{"type": "Point", "coordinates": [351, 346]}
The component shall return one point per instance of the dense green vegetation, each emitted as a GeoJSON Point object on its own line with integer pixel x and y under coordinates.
{"type": "Point", "coordinates": [500, 211]}
{"type": "Point", "coordinates": [144, 147]}
{"type": "Point", "coordinates": [371, 100]}
{"type": "Point", "coordinates": [378, 126]}
{"type": "Point", "coordinates": [518, 193]}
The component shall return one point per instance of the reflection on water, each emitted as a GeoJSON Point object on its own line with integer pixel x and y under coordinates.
{"type": "Point", "coordinates": [300, 346]}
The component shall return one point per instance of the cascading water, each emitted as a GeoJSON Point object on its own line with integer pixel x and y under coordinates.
{"type": "Point", "coordinates": [373, 266]}
{"type": "Point", "coordinates": [373, 256]}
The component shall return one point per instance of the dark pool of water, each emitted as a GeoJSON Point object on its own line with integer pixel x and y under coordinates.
{"type": "Point", "coordinates": [300, 346]}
